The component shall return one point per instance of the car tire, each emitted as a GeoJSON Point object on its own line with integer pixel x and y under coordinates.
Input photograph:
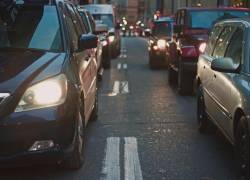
{"type": "Point", "coordinates": [76, 159]}
{"type": "Point", "coordinates": [94, 114]}
{"type": "Point", "coordinates": [185, 81]}
{"type": "Point", "coordinates": [172, 77]}
{"type": "Point", "coordinates": [202, 117]}
{"type": "Point", "coordinates": [242, 148]}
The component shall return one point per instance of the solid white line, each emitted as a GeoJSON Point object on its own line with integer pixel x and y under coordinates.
{"type": "Point", "coordinates": [124, 87]}
{"type": "Point", "coordinates": [116, 87]}
{"type": "Point", "coordinates": [132, 162]}
{"type": "Point", "coordinates": [111, 168]}
{"type": "Point", "coordinates": [125, 66]}
{"type": "Point", "coordinates": [119, 66]}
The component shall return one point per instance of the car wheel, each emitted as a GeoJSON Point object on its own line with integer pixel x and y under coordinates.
{"type": "Point", "coordinates": [202, 118]}
{"type": "Point", "coordinates": [77, 157]}
{"type": "Point", "coordinates": [242, 148]}
{"type": "Point", "coordinates": [94, 114]}
{"type": "Point", "coordinates": [172, 78]}
{"type": "Point", "coordinates": [185, 81]}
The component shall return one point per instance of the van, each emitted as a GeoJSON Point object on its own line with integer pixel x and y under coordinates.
{"type": "Point", "coordinates": [106, 14]}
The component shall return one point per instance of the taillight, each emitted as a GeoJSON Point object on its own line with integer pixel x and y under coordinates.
{"type": "Point", "coordinates": [202, 47]}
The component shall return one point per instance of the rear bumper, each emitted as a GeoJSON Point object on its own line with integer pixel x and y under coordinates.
{"type": "Point", "coordinates": [158, 57]}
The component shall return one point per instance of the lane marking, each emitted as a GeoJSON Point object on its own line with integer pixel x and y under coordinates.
{"type": "Point", "coordinates": [119, 66]}
{"type": "Point", "coordinates": [116, 88]}
{"type": "Point", "coordinates": [111, 168]}
{"type": "Point", "coordinates": [132, 163]}
{"type": "Point", "coordinates": [124, 87]}
{"type": "Point", "coordinates": [125, 66]}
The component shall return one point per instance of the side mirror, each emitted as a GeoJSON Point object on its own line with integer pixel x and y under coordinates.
{"type": "Point", "coordinates": [87, 41]}
{"type": "Point", "coordinates": [178, 29]}
{"type": "Point", "coordinates": [225, 65]}
{"type": "Point", "coordinates": [101, 28]}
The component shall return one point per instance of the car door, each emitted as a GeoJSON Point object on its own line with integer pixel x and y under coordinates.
{"type": "Point", "coordinates": [82, 60]}
{"type": "Point", "coordinates": [204, 71]}
{"type": "Point", "coordinates": [224, 81]}
{"type": "Point", "coordinates": [218, 92]}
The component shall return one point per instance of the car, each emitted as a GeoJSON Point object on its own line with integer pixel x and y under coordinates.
{"type": "Point", "coordinates": [102, 51]}
{"type": "Point", "coordinates": [48, 84]}
{"type": "Point", "coordinates": [162, 31]}
{"type": "Point", "coordinates": [223, 91]}
{"type": "Point", "coordinates": [191, 29]}
{"type": "Point", "coordinates": [106, 13]}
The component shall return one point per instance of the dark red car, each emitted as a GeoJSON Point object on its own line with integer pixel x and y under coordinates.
{"type": "Point", "coordinates": [191, 29]}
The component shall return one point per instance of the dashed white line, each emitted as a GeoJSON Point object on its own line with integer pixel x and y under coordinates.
{"type": "Point", "coordinates": [132, 162]}
{"type": "Point", "coordinates": [119, 66]}
{"type": "Point", "coordinates": [111, 168]}
{"type": "Point", "coordinates": [124, 87]}
{"type": "Point", "coordinates": [116, 88]}
{"type": "Point", "coordinates": [125, 66]}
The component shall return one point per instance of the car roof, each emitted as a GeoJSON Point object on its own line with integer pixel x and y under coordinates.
{"type": "Point", "coordinates": [99, 8]}
{"type": "Point", "coordinates": [164, 19]}
{"type": "Point", "coordinates": [215, 8]}
{"type": "Point", "coordinates": [245, 21]}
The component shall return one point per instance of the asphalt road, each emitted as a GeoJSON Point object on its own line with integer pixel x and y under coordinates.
{"type": "Point", "coordinates": [145, 131]}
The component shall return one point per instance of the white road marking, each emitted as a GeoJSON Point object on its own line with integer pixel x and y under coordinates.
{"type": "Point", "coordinates": [119, 66]}
{"type": "Point", "coordinates": [116, 88]}
{"type": "Point", "coordinates": [111, 168]}
{"type": "Point", "coordinates": [125, 66]}
{"type": "Point", "coordinates": [132, 162]}
{"type": "Point", "coordinates": [124, 87]}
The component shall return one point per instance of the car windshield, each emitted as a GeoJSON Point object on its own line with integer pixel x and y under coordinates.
{"type": "Point", "coordinates": [105, 18]}
{"type": "Point", "coordinates": [206, 19]}
{"type": "Point", "coordinates": [162, 29]}
{"type": "Point", "coordinates": [32, 27]}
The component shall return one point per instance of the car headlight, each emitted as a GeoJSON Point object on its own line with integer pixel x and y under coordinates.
{"type": "Point", "coordinates": [111, 39]}
{"type": "Point", "coordinates": [161, 44]}
{"type": "Point", "coordinates": [50, 92]}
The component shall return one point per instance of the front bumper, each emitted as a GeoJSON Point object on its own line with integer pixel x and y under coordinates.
{"type": "Point", "coordinates": [19, 131]}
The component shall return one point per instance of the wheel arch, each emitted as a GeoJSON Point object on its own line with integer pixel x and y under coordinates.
{"type": "Point", "coordinates": [237, 115]}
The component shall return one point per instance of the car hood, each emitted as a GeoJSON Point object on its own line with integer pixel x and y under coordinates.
{"type": "Point", "coordinates": [21, 67]}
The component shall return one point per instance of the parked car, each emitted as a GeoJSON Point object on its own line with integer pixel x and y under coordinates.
{"type": "Point", "coordinates": [191, 30]}
{"type": "Point", "coordinates": [223, 87]}
{"type": "Point", "coordinates": [89, 25]}
{"type": "Point", "coordinates": [162, 31]}
{"type": "Point", "coordinates": [48, 84]}
{"type": "Point", "coordinates": [106, 13]}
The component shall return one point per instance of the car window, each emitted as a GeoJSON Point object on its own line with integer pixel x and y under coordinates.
{"type": "Point", "coordinates": [85, 21]}
{"type": "Point", "coordinates": [91, 20]}
{"type": "Point", "coordinates": [234, 49]}
{"type": "Point", "coordinates": [222, 41]}
{"type": "Point", "coordinates": [32, 28]}
{"type": "Point", "coordinates": [71, 30]}
{"type": "Point", "coordinates": [75, 20]}
{"type": "Point", "coordinates": [182, 17]}
{"type": "Point", "coordinates": [212, 39]}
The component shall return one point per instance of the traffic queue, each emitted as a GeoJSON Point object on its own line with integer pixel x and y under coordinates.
{"type": "Point", "coordinates": [51, 54]}
{"type": "Point", "coordinates": [208, 55]}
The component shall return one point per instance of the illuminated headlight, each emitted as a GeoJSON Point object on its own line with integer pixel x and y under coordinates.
{"type": "Point", "coordinates": [111, 39]}
{"type": "Point", "coordinates": [104, 43]}
{"type": "Point", "coordinates": [161, 44]}
{"type": "Point", "coordinates": [123, 28]}
{"type": "Point", "coordinates": [50, 92]}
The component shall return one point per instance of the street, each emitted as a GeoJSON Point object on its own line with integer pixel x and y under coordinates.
{"type": "Point", "coordinates": [145, 130]}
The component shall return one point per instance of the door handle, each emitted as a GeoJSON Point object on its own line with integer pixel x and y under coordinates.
{"type": "Point", "coordinates": [87, 57]}
{"type": "Point", "coordinates": [215, 76]}
{"type": "Point", "coordinates": [204, 67]}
